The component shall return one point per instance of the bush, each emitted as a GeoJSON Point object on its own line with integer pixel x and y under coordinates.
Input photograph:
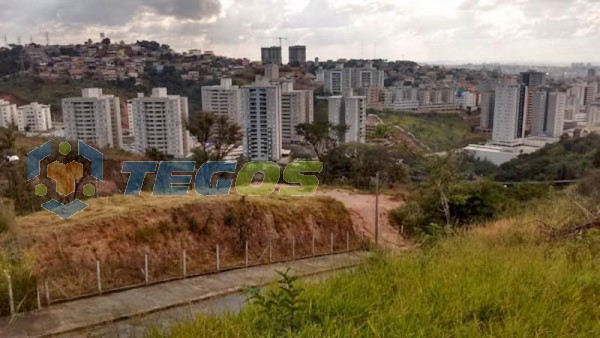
{"type": "Point", "coordinates": [468, 202]}
{"type": "Point", "coordinates": [7, 215]}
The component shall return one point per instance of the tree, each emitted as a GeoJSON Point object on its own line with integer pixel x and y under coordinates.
{"type": "Point", "coordinates": [217, 137]}
{"type": "Point", "coordinates": [8, 139]}
{"type": "Point", "coordinates": [322, 136]}
{"type": "Point", "coordinates": [443, 173]}
{"type": "Point", "coordinates": [597, 159]}
{"type": "Point", "coordinates": [156, 155]}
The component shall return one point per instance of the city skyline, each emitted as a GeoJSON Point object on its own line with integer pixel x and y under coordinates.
{"type": "Point", "coordinates": [457, 31]}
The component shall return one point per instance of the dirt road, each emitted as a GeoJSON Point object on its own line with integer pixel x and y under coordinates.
{"type": "Point", "coordinates": [362, 209]}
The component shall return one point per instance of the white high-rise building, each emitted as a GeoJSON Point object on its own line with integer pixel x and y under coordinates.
{"type": "Point", "coordinates": [261, 115]}
{"type": "Point", "coordinates": [555, 121]}
{"type": "Point", "coordinates": [350, 111]}
{"type": "Point", "coordinates": [296, 108]}
{"type": "Point", "coordinates": [340, 79]}
{"type": "Point", "coordinates": [367, 77]}
{"type": "Point", "coordinates": [591, 93]}
{"type": "Point", "coordinates": [510, 118]}
{"type": "Point", "coordinates": [593, 115]}
{"type": "Point", "coordinates": [468, 100]}
{"type": "Point", "coordinates": [160, 122]}
{"type": "Point", "coordinates": [93, 118]}
{"type": "Point", "coordinates": [8, 114]}
{"type": "Point", "coordinates": [130, 122]}
{"type": "Point", "coordinates": [548, 113]}
{"type": "Point", "coordinates": [223, 100]}
{"type": "Point", "coordinates": [577, 91]}
{"type": "Point", "coordinates": [34, 117]}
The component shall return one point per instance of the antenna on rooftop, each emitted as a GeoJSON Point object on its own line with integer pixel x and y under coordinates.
{"type": "Point", "coordinates": [47, 38]}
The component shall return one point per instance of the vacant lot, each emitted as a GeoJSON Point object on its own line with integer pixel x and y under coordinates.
{"type": "Point", "coordinates": [440, 132]}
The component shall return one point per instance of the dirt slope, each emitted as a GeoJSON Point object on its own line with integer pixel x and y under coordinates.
{"type": "Point", "coordinates": [362, 210]}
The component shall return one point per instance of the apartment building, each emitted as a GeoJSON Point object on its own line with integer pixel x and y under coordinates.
{"type": "Point", "coordinates": [34, 117]}
{"type": "Point", "coordinates": [510, 110]}
{"type": "Point", "coordinates": [93, 118]}
{"type": "Point", "coordinates": [261, 115]}
{"type": "Point", "coordinates": [548, 113]}
{"type": "Point", "coordinates": [487, 110]}
{"type": "Point", "coordinates": [271, 55]}
{"type": "Point", "coordinates": [340, 79]}
{"type": "Point", "coordinates": [297, 55]}
{"type": "Point", "coordinates": [296, 107]}
{"type": "Point", "coordinates": [8, 114]}
{"type": "Point", "coordinates": [160, 122]}
{"type": "Point", "coordinates": [350, 111]}
{"type": "Point", "coordinates": [223, 100]}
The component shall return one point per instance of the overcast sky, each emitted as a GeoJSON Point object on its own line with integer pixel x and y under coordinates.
{"type": "Point", "coordinates": [504, 31]}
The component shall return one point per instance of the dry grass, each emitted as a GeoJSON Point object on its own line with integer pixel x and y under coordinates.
{"type": "Point", "coordinates": [119, 230]}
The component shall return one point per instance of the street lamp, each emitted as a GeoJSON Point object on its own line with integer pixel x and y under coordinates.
{"type": "Point", "coordinates": [9, 159]}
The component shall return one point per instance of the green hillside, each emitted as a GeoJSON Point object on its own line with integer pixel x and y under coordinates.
{"type": "Point", "coordinates": [440, 132]}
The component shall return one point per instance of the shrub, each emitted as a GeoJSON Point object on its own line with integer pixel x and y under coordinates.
{"type": "Point", "coordinates": [468, 203]}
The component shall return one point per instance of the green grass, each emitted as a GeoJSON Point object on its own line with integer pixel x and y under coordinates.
{"type": "Point", "coordinates": [504, 280]}
{"type": "Point", "coordinates": [439, 132]}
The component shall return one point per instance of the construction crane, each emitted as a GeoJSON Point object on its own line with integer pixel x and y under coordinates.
{"type": "Point", "coordinates": [280, 38]}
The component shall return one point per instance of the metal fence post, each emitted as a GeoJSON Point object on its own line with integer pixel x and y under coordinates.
{"type": "Point", "coordinates": [332, 242]}
{"type": "Point", "coordinates": [293, 248]}
{"type": "Point", "coordinates": [146, 269]}
{"type": "Point", "coordinates": [10, 293]}
{"type": "Point", "coordinates": [313, 243]}
{"type": "Point", "coordinates": [270, 252]}
{"type": "Point", "coordinates": [218, 259]}
{"type": "Point", "coordinates": [98, 277]}
{"type": "Point", "coordinates": [184, 263]}
{"type": "Point", "coordinates": [246, 253]}
{"type": "Point", "coordinates": [37, 295]}
{"type": "Point", "coordinates": [47, 291]}
{"type": "Point", "coordinates": [347, 241]}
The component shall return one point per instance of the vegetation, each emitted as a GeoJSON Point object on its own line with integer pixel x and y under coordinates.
{"type": "Point", "coordinates": [28, 88]}
{"type": "Point", "coordinates": [440, 132]}
{"type": "Point", "coordinates": [217, 137]}
{"type": "Point", "coordinates": [10, 60]}
{"type": "Point", "coordinates": [571, 158]}
{"type": "Point", "coordinates": [447, 200]}
{"type": "Point", "coordinates": [507, 279]}
{"type": "Point", "coordinates": [354, 163]}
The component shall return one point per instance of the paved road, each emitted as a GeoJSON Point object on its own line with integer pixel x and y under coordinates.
{"type": "Point", "coordinates": [85, 314]}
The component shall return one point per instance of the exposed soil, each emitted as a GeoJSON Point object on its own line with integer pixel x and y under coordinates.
{"type": "Point", "coordinates": [119, 231]}
{"type": "Point", "coordinates": [362, 210]}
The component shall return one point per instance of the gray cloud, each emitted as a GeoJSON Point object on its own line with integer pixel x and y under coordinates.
{"type": "Point", "coordinates": [106, 12]}
{"type": "Point", "coordinates": [425, 29]}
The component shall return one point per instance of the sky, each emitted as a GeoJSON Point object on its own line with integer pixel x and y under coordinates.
{"type": "Point", "coordinates": [450, 31]}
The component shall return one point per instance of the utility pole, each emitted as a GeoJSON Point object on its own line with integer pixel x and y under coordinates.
{"type": "Point", "coordinates": [377, 209]}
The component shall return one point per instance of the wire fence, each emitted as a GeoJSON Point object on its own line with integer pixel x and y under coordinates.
{"type": "Point", "coordinates": [47, 290]}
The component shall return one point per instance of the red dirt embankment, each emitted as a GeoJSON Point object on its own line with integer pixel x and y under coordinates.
{"type": "Point", "coordinates": [362, 211]}
{"type": "Point", "coordinates": [118, 231]}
